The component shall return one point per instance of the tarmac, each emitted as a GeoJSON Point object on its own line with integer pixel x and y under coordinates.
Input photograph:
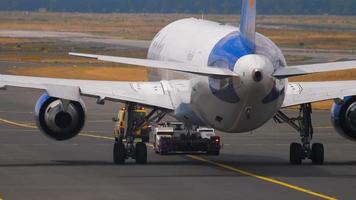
{"type": "Point", "coordinates": [251, 165]}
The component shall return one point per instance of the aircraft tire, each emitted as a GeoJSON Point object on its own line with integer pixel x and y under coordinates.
{"type": "Point", "coordinates": [119, 153]}
{"type": "Point", "coordinates": [141, 153]}
{"type": "Point", "coordinates": [317, 154]}
{"type": "Point", "coordinates": [296, 154]}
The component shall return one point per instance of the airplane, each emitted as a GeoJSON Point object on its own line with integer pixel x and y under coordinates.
{"type": "Point", "coordinates": [203, 73]}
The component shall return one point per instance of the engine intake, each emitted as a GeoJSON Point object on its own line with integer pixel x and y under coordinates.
{"type": "Point", "coordinates": [343, 117]}
{"type": "Point", "coordinates": [59, 119]}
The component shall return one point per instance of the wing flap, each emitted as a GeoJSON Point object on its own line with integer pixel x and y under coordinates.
{"type": "Point", "coordinates": [146, 93]}
{"type": "Point", "coordinates": [167, 65]}
{"type": "Point", "coordinates": [314, 68]}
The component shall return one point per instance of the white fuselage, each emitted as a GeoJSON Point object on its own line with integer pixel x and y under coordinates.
{"type": "Point", "coordinates": [235, 105]}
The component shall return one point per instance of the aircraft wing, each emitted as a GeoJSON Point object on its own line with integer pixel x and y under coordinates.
{"type": "Point", "coordinates": [167, 65]}
{"type": "Point", "coordinates": [309, 92]}
{"type": "Point", "coordinates": [156, 94]}
{"type": "Point", "coordinates": [314, 68]}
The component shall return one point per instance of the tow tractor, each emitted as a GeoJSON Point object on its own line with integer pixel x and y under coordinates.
{"type": "Point", "coordinates": [174, 137]}
{"type": "Point", "coordinates": [139, 114]}
{"type": "Point", "coordinates": [132, 131]}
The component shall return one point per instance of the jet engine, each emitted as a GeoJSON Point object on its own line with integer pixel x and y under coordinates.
{"type": "Point", "coordinates": [343, 117]}
{"type": "Point", "coordinates": [58, 118]}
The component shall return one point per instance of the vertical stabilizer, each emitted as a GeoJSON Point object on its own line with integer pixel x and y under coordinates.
{"type": "Point", "coordinates": [248, 21]}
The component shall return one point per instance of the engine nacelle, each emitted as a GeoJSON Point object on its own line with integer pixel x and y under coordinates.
{"type": "Point", "coordinates": [59, 119]}
{"type": "Point", "coordinates": [343, 117]}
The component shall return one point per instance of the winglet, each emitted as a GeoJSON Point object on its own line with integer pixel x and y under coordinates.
{"type": "Point", "coordinates": [248, 22]}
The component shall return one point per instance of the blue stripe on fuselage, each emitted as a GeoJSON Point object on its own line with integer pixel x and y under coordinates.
{"type": "Point", "coordinates": [228, 50]}
{"type": "Point", "coordinates": [225, 55]}
{"type": "Point", "coordinates": [273, 95]}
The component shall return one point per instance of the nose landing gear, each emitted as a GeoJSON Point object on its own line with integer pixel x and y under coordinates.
{"type": "Point", "coordinates": [125, 146]}
{"type": "Point", "coordinates": [303, 124]}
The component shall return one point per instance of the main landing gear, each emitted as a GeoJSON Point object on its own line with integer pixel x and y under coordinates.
{"type": "Point", "coordinates": [303, 124]}
{"type": "Point", "coordinates": [125, 146]}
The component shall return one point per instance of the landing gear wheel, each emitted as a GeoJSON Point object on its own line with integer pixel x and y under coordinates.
{"type": "Point", "coordinates": [296, 154]}
{"type": "Point", "coordinates": [119, 153]}
{"type": "Point", "coordinates": [317, 154]}
{"type": "Point", "coordinates": [141, 153]}
{"type": "Point", "coordinates": [303, 124]}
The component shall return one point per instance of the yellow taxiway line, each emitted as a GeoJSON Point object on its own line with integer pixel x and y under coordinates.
{"type": "Point", "coordinates": [264, 178]}
{"type": "Point", "coordinates": [323, 127]}
{"type": "Point", "coordinates": [17, 124]}
{"type": "Point", "coordinates": [201, 159]}
{"type": "Point", "coordinates": [96, 136]}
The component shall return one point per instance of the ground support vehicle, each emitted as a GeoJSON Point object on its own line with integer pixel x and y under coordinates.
{"type": "Point", "coordinates": [126, 146]}
{"type": "Point", "coordinates": [168, 140]}
{"type": "Point", "coordinates": [138, 117]}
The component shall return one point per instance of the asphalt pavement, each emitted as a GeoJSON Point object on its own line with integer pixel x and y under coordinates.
{"type": "Point", "coordinates": [251, 165]}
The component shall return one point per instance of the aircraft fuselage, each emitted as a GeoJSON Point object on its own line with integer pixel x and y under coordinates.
{"type": "Point", "coordinates": [232, 104]}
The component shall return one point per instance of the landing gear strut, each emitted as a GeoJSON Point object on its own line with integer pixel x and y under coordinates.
{"type": "Point", "coordinates": [125, 146]}
{"type": "Point", "coordinates": [303, 124]}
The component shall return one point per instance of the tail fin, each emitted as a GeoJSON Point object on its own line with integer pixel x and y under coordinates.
{"type": "Point", "coordinates": [248, 21]}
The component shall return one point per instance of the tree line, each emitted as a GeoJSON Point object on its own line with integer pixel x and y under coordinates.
{"type": "Point", "coordinates": [332, 7]}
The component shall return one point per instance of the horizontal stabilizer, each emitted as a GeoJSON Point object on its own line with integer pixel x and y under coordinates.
{"type": "Point", "coordinates": [310, 92]}
{"type": "Point", "coordinates": [166, 65]}
{"type": "Point", "coordinates": [313, 68]}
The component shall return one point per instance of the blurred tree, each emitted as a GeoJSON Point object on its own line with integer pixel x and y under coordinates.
{"type": "Point", "coordinates": [339, 7]}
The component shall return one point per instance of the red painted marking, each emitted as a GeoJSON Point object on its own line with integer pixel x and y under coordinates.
{"type": "Point", "coordinates": [251, 3]}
